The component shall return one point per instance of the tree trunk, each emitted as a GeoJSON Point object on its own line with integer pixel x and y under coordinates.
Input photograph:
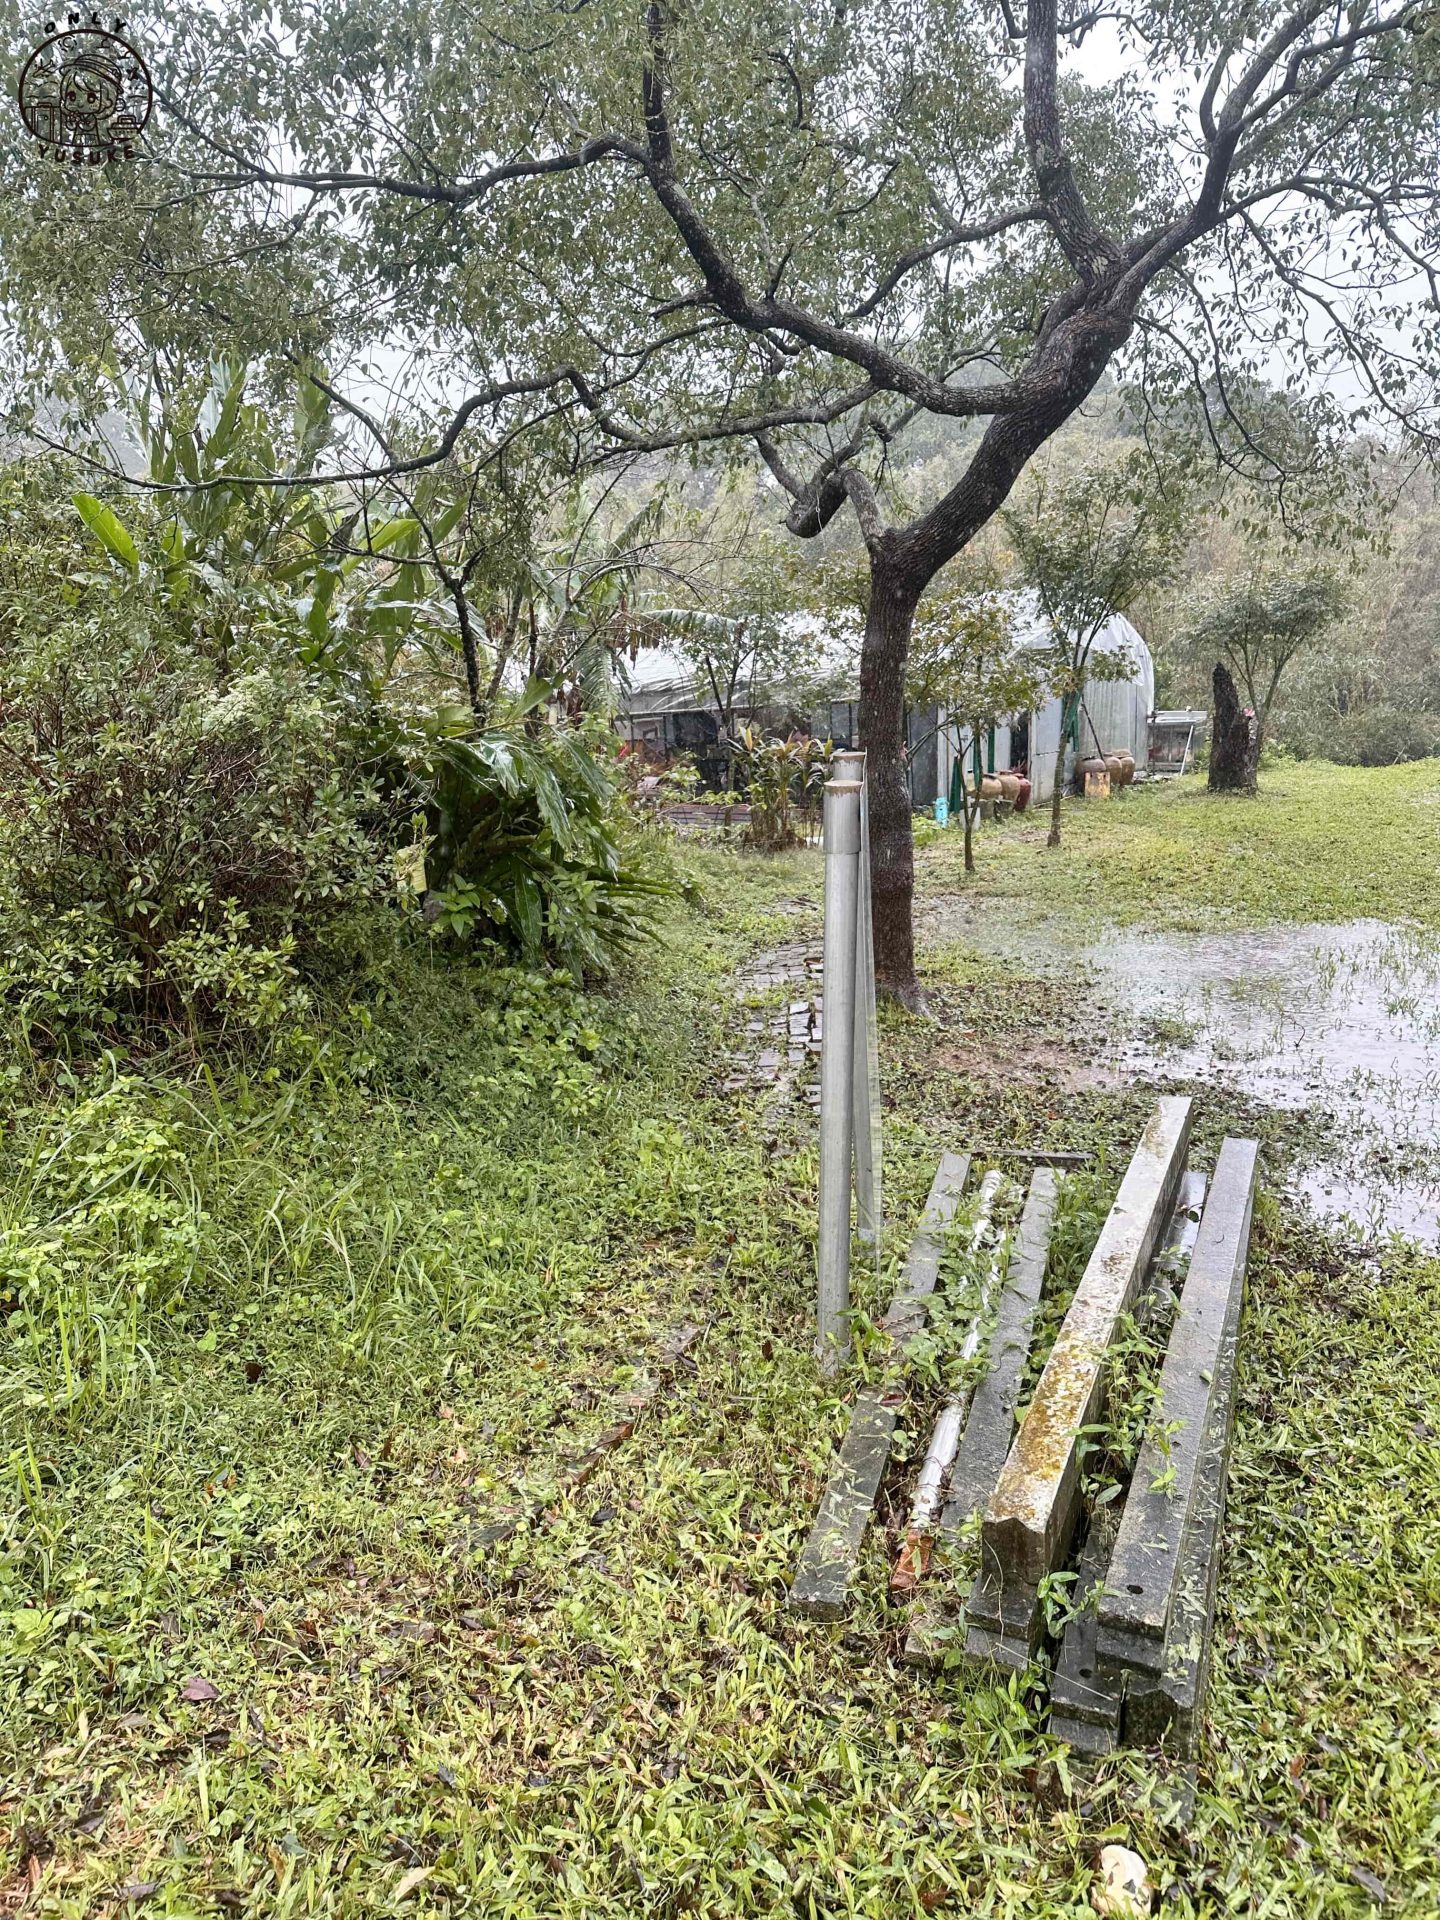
{"type": "Point", "coordinates": [1234, 749]}
{"type": "Point", "coordinates": [1057, 794]}
{"type": "Point", "coordinates": [970, 810]}
{"type": "Point", "coordinates": [903, 561]}
{"type": "Point", "coordinates": [888, 623]}
{"type": "Point", "coordinates": [471, 655]}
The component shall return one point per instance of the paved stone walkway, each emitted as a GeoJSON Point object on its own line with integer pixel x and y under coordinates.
{"type": "Point", "coordinates": [779, 1040]}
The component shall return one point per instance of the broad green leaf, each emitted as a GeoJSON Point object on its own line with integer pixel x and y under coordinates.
{"type": "Point", "coordinates": [108, 529]}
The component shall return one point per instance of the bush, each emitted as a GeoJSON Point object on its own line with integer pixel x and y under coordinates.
{"type": "Point", "coordinates": [174, 844]}
{"type": "Point", "coordinates": [1382, 736]}
{"type": "Point", "coordinates": [527, 848]}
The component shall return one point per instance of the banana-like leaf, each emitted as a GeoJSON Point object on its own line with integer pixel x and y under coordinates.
{"type": "Point", "coordinates": [108, 529]}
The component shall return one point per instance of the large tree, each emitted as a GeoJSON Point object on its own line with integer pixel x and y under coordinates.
{"type": "Point", "coordinates": [795, 226]}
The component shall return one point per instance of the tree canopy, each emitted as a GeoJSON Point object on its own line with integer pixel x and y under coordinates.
{"type": "Point", "coordinates": [793, 229]}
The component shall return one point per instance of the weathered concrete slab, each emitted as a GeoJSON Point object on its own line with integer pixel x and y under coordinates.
{"type": "Point", "coordinates": [1031, 1515]}
{"type": "Point", "coordinates": [1168, 1709]}
{"type": "Point", "coordinates": [990, 1427]}
{"type": "Point", "coordinates": [1085, 1704]}
{"type": "Point", "coordinates": [1083, 1736]}
{"type": "Point", "coordinates": [821, 1587]}
{"type": "Point", "coordinates": [1145, 1568]}
{"type": "Point", "coordinates": [911, 1302]}
{"type": "Point", "coordinates": [1172, 1257]}
{"type": "Point", "coordinates": [986, 1649]}
{"type": "Point", "coordinates": [1003, 1619]}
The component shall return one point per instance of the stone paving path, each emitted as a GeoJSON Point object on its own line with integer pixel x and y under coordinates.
{"type": "Point", "coordinates": [778, 1041]}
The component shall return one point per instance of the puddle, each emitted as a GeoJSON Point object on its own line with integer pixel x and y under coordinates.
{"type": "Point", "coordinates": [1339, 1020]}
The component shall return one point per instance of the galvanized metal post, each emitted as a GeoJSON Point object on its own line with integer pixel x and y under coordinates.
{"type": "Point", "coordinates": [837, 1066]}
{"type": "Point", "coordinates": [869, 1211]}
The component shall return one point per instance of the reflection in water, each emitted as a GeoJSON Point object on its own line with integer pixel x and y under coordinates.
{"type": "Point", "coordinates": [1340, 1019]}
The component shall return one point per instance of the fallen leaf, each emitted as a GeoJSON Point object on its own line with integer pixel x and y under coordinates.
{"type": "Point", "coordinates": [139, 1889]}
{"type": "Point", "coordinates": [197, 1688]}
{"type": "Point", "coordinates": [408, 1881]}
{"type": "Point", "coordinates": [1371, 1882]}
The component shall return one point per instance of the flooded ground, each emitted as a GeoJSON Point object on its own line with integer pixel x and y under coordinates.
{"type": "Point", "coordinates": [1338, 1023]}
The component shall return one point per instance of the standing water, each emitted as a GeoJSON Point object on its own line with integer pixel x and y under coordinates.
{"type": "Point", "coordinates": [1341, 1022]}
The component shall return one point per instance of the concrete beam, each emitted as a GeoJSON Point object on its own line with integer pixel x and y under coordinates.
{"type": "Point", "coordinates": [1167, 1708]}
{"type": "Point", "coordinates": [821, 1587]}
{"type": "Point", "coordinates": [990, 1427]}
{"type": "Point", "coordinates": [909, 1307]}
{"type": "Point", "coordinates": [1085, 1703]}
{"type": "Point", "coordinates": [1145, 1568]}
{"type": "Point", "coordinates": [1031, 1517]}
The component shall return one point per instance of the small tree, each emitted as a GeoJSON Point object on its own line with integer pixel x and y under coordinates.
{"type": "Point", "coordinates": [966, 661]}
{"type": "Point", "coordinates": [1089, 538]}
{"type": "Point", "coordinates": [1258, 619]}
{"type": "Point", "coordinates": [770, 631]}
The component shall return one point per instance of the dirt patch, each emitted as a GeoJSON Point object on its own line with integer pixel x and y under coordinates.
{"type": "Point", "coordinates": [1051, 1064]}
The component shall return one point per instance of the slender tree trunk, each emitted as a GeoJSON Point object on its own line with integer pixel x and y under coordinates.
{"type": "Point", "coordinates": [471, 654]}
{"type": "Point", "coordinates": [888, 623]}
{"type": "Point", "coordinates": [1068, 704]}
{"type": "Point", "coordinates": [971, 808]}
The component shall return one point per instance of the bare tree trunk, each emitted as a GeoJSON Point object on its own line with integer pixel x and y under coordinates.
{"type": "Point", "coordinates": [971, 808]}
{"type": "Point", "coordinates": [1234, 747]}
{"type": "Point", "coordinates": [888, 623]}
{"type": "Point", "coordinates": [1052, 839]}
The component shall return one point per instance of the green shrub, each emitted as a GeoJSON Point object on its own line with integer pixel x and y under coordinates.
{"type": "Point", "coordinates": [174, 845]}
{"type": "Point", "coordinates": [1381, 736]}
{"type": "Point", "coordinates": [527, 847]}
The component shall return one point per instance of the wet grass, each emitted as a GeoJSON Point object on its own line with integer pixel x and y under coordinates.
{"type": "Point", "coordinates": [1317, 843]}
{"type": "Point", "coordinates": [333, 1584]}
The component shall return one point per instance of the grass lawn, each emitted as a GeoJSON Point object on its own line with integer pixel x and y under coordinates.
{"type": "Point", "coordinates": [1317, 843]}
{"type": "Point", "coordinates": [318, 1595]}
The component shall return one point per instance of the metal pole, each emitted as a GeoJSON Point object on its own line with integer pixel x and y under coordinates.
{"type": "Point", "coordinates": [866, 1123]}
{"type": "Point", "coordinates": [837, 1066]}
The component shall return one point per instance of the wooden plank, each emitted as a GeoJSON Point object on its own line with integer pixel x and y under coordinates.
{"type": "Point", "coordinates": [1031, 1515]}
{"type": "Point", "coordinates": [821, 1587]}
{"type": "Point", "coordinates": [990, 1427]}
{"type": "Point", "coordinates": [1044, 1156]}
{"type": "Point", "coordinates": [1144, 1574]}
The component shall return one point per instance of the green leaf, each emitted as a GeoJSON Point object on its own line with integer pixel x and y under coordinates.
{"type": "Point", "coordinates": [108, 529]}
